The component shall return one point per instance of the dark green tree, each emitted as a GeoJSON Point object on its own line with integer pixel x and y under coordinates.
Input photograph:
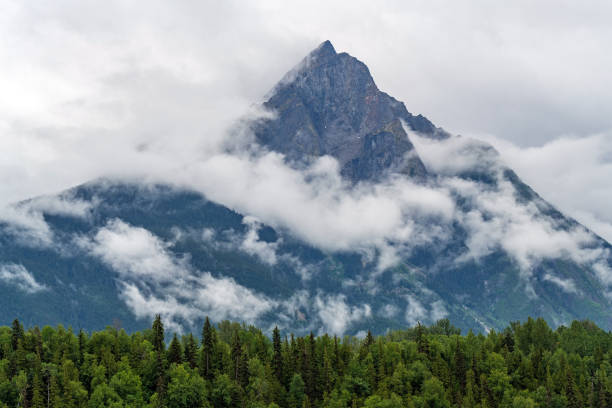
{"type": "Point", "coordinates": [277, 357]}
{"type": "Point", "coordinates": [175, 351]}
{"type": "Point", "coordinates": [191, 351]}
{"type": "Point", "coordinates": [208, 352]}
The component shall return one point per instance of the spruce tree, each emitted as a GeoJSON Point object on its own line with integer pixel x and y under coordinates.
{"type": "Point", "coordinates": [159, 346]}
{"type": "Point", "coordinates": [191, 351]}
{"type": "Point", "coordinates": [158, 335]}
{"type": "Point", "coordinates": [421, 340]}
{"type": "Point", "coordinates": [459, 367]}
{"type": "Point", "coordinates": [571, 391]}
{"type": "Point", "coordinates": [206, 366]}
{"type": "Point", "coordinates": [277, 357]}
{"type": "Point", "coordinates": [175, 351]}
{"type": "Point", "coordinates": [16, 334]}
{"type": "Point", "coordinates": [236, 356]}
{"type": "Point", "coordinates": [82, 342]}
{"type": "Point", "coordinates": [37, 393]}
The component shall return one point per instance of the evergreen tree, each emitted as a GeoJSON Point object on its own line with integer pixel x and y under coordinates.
{"type": "Point", "coordinates": [421, 340]}
{"type": "Point", "coordinates": [175, 351]}
{"type": "Point", "coordinates": [239, 368]}
{"type": "Point", "coordinates": [158, 335]}
{"type": "Point", "coordinates": [207, 350]}
{"type": "Point", "coordinates": [16, 334]}
{"type": "Point", "coordinates": [277, 358]}
{"type": "Point", "coordinates": [571, 391]}
{"type": "Point", "coordinates": [82, 343]}
{"type": "Point", "coordinates": [191, 351]}
{"type": "Point", "coordinates": [159, 346]}
{"type": "Point", "coordinates": [37, 393]}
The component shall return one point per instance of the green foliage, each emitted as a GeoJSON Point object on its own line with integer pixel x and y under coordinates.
{"type": "Point", "coordinates": [525, 366]}
{"type": "Point", "coordinates": [186, 389]}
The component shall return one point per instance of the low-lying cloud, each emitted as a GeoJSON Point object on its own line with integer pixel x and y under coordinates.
{"type": "Point", "coordinates": [153, 281]}
{"type": "Point", "coordinates": [19, 277]}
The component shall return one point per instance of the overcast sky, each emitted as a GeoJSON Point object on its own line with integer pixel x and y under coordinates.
{"type": "Point", "coordinates": [126, 88]}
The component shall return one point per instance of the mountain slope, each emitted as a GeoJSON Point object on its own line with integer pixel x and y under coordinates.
{"type": "Point", "coordinates": [472, 242]}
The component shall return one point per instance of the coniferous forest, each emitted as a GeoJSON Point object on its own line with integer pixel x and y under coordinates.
{"type": "Point", "coordinates": [234, 365]}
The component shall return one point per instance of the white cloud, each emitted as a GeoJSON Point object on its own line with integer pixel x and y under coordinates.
{"type": "Point", "coordinates": [567, 285]}
{"type": "Point", "coordinates": [60, 205]}
{"type": "Point", "coordinates": [154, 281]}
{"type": "Point", "coordinates": [323, 210]}
{"type": "Point", "coordinates": [438, 311]}
{"type": "Point", "coordinates": [266, 251]}
{"type": "Point", "coordinates": [336, 315]}
{"type": "Point", "coordinates": [20, 277]}
{"type": "Point", "coordinates": [161, 100]}
{"type": "Point", "coordinates": [389, 311]}
{"type": "Point", "coordinates": [28, 227]}
{"type": "Point", "coordinates": [571, 172]}
{"type": "Point", "coordinates": [496, 218]}
{"type": "Point", "coordinates": [26, 222]}
{"type": "Point", "coordinates": [135, 252]}
{"type": "Point", "coordinates": [415, 311]}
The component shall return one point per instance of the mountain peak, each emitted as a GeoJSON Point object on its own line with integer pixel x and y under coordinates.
{"type": "Point", "coordinates": [325, 49]}
{"type": "Point", "coordinates": [329, 105]}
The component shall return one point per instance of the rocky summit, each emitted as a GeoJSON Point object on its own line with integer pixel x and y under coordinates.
{"type": "Point", "coordinates": [473, 243]}
{"type": "Point", "coordinates": [330, 105]}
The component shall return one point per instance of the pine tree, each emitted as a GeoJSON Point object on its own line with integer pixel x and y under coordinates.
{"type": "Point", "coordinates": [82, 343]}
{"type": "Point", "coordinates": [191, 351]}
{"type": "Point", "coordinates": [421, 340]}
{"type": "Point", "coordinates": [37, 393]}
{"type": "Point", "coordinates": [310, 372]}
{"type": "Point", "coordinates": [158, 335]}
{"type": "Point", "coordinates": [288, 363]}
{"type": "Point", "coordinates": [239, 373]}
{"type": "Point", "coordinates": [159, 346]}
{"type": "Point", "coordinates": [327, 375]}
{"type": "Point", "coordinates": [369, 340]}
{"type": "Point", "coordinates": [550, 388]}
{"type": "Point", "coordinates": [175, 351]}
{"type": "Point", "coordinates": [16, 334]}
{"type": "Point", "coordinates": [571, 391]}
{"type": "Point", "coordinates": [277, 358]}
{"type": "Point", "coordinates": [206, 366]}
{"type": "Point", "coordinates": [459, 367]}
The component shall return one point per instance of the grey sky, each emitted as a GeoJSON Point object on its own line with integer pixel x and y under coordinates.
{"type": "Point", "coordinates": [91, 88]}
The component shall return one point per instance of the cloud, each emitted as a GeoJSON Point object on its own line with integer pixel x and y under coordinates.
{"type": "Point", "coordinates": [571, 172]}
{"type": "Point", "coordinates": [438, 311]}
{"type": "Point", "coordinates": [389, 311]}
{"type": "Point", "coordinates": [414, 311]}
{"type": "Point", "coordinates": [417, 312]}
{"type": "Point", "coordinates": [567, 285]}
{"type": "Point", "coordinates": [64, 205]}
{"type": "Point", "coordinates": [26, 221]}
{"type": "Point", "coordinates": [20, 277]}
{"type": "Point", "coordinates": [162, 99]}
{"type": "Point", "coordinates": [336, 315]}
{"type": "Point", "coordinates": [496, 216]}
{"type": "Point", "coordinates": [29, 228]}
{"type": "Point", "coordinates": [153, 281]}
{"type": "Point", "coordinates": [316, 205]}
{"type": "Point", "coordinates": [266, 251]}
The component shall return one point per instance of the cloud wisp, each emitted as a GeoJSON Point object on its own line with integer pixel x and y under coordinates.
{"type": "Point", "coordinates": [18, 276]}
{"type": "Point", "coordinates": [153, 281]}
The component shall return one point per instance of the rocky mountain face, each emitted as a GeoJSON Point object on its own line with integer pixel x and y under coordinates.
{"type": "Point", "coordinates": [111, 251]}
{"type": "Point", "coordinates": [330, 105]}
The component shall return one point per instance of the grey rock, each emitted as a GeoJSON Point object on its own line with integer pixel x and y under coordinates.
{"type": "Point", "coordinates": [330, 105]}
